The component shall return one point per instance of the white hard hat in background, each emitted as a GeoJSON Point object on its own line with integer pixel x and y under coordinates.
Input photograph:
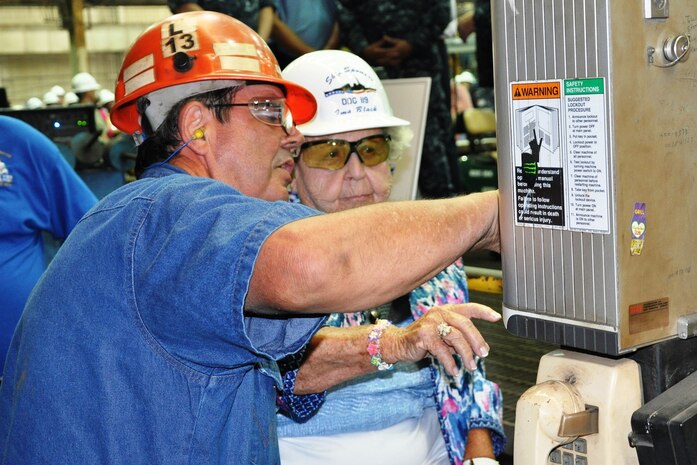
{"type": "Point", "coordinates": [51, 98]}
{"type": "Point", "coordinates": [84, 82]}
{"type": "Point", "coordinates": [70, 98]}
{"type": "Point", "coordinates": [33, 103]}
{"type": "Point", "coordinates": [465, 77]}
{"type": "Point", "coordinates": [58, 90]}
{"type": "Point", "coordinates": [105, 96]}
{"type": "Point", "coordinates": [349, 94]}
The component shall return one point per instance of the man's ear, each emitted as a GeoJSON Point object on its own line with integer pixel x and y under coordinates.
{"type": "Point", "coordinates": [193, 119]}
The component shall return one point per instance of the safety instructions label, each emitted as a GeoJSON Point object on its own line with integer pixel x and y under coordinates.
{"type": "Point", "coordinates": [584, 101]}
{"type": "Point", "coordinates": [560, 157]}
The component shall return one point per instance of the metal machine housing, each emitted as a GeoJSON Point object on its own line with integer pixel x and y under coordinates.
{"type": "Point", "coordinates": [597, 227]}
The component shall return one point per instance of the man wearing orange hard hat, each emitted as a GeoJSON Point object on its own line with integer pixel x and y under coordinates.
{"type": "Point", "coordinates": [153, 336]}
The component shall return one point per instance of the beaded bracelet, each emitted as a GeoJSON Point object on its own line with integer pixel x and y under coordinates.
{"type": "Point", "coordinates": [374, 345]}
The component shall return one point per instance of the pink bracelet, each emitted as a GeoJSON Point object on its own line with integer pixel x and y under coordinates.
{"type": "Point", "coordinates": [374, 345]}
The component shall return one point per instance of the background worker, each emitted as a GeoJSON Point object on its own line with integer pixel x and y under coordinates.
{"type": "Point", "coordinates": [50, 99]}
{"type": "Point", "coordinates": [202, 264]}
{"type": "Point", "coordinates": [411, 413]}
{"type": "Point", "coordinates": [105, 102]}
{"type": "Point", "coordinates": [59, 91]}
{"type": "Point", "coordinates": [39, 193]}
{"type": "Point", "coordinates": [478, 22]}
{"type": "Point", "coordinates": [303, 26]}
{"type": "Point", "coordinates": [86, 87]}
{"type": "Point", "coordinates": [257, 14]}
{"type": "Point", "coordinates": [405, 39]}
{"type": "Point", "coordinates": [290, 30]}
{"type": "Point", "coordinates": [89, 149]}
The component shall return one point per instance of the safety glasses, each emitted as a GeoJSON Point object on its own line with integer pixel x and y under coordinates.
{"type": "Point", "coordinates": [333, 154]}
{"type": "Point", "coordinates": [273, 112]}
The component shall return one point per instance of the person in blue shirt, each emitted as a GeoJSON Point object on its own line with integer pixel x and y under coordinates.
{"type": "Point", "coordinates": [257, 14]}
{"type": "Point", "coordinates": [290, 28]}
{"type": "Point", "coordinates": [197, 277]}
{"type": "Point", "coordinates": [302, 26]}
{"type": "Point", "coordinates": [39, 193]}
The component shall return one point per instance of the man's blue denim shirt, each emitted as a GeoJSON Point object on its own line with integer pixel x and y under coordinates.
{"type": "Point", "coordinates": [134, 349]}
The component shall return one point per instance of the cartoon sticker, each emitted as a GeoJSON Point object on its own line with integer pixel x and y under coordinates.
{"type": "Point", "coordinates": [638, 228]}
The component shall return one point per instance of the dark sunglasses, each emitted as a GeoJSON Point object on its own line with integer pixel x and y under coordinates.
{"type": "Point", "coordinates": [274, 112]}
{"type": "Point", "coordinates": [334, 154]}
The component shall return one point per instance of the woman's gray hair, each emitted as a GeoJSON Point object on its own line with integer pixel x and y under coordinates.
{"type": "Point", "coordinates": [401, 137]}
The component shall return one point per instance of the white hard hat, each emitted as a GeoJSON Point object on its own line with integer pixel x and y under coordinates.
{"type": "Point", "coordinates": [105, 96]}
{"type": "Point", "coordinates": [50, 98]}
{"type": "Point", "coordinates": [58, 90]}
{"type": "Point", "coordinates": [70, 98]}
{"type": "Point", "coordinates": [84, 82]}
{"type": "Point", "coordinates": [349, 94]}
{"type": "Point", "coordinates": [33, 103]}
{"type": "Point", "coordinates": [465, 76]}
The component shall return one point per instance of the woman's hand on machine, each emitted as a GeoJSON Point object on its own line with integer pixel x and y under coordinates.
{"type": "Point", "coordinates": [441, 332]}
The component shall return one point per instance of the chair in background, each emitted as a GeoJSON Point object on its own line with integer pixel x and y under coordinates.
{"type": "Point", "coordinates": [478, 150]}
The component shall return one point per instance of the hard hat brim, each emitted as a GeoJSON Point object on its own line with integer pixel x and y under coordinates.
{"type": "Point", "coordinates": [322, 128]}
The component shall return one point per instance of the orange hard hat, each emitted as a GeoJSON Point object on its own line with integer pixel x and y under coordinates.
{"type": "Point", "coordinates": [191, 53]}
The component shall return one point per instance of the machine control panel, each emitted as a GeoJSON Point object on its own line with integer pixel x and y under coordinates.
{"type": "Point", "coordinates": [573, 453]}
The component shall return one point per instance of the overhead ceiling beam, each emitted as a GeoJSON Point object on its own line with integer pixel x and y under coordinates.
{"type": "Point", "coordinates": [78, 52]}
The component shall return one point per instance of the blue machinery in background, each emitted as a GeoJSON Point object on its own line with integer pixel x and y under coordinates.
{"type": "Point", "coordinates": [103, 167]}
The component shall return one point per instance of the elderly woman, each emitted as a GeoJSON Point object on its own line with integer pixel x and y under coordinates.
{"type": "Point", "coordinates": [392, 411]}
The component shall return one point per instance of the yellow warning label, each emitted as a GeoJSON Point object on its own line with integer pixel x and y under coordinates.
{"type": "Point", "coordinates": [536, 90]}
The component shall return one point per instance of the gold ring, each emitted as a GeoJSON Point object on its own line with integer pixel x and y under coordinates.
{"type": "Point", "coordinates": [444, 329]}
